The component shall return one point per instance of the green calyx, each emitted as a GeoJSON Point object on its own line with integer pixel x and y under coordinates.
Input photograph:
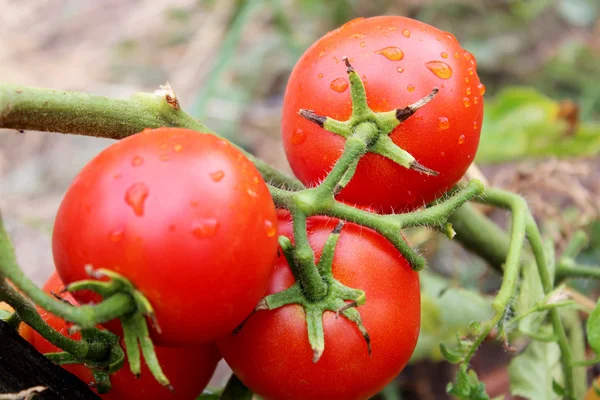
{"type": "Point", "coordinates": [336, 298]}
{"type": "Point", "coordinates": [135, 329]}
{"type": "Point", "coordinates": [385, 123]}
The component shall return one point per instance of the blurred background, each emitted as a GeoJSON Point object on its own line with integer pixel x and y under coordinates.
{"type": "Point", "coordinates": [228, 61]}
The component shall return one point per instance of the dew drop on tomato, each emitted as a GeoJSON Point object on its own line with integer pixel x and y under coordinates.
{"type": "Point", "coordinates": [270, 228]}
{"type": "Point", "coordinates": [298, 136]}
{"type": "Point", "coordinates": [456, 55]}
{"type": "Point", "coordinates": [475, 125]}
{"type": "Point", "coordinates": [400, 69]}
{"type": "Point", "coordinates": [358, 36]}
{"type": "Point", "coordinates": [363, 44]}
{"type": "Point", "coordinates": [475, 100]}
{"type": "Point", "coordinates": [461, 139]}
{"type": "Point", "coordinates": [137, 161]}
{"type": "Point", "coordinates": [410, 88]}
{"type": "Point", "coordinates": [339, 85]}
{"type": "Point", "coordinates": [406, 33]}
{"type": "Point", "coordinates": [440, 69]}
{"type": "Point", "coordinates": [443, 123]}
{"type": "Point", "coordinates": [391, 53]}
{"type": "Point", "coordinates": [466, 102]}
{"type": "Point", "coordinates": [206, 227]}
{"type": "Point", "coordinates": [468, 90]}
{"type": "Point", "coordinates": [444, 54]}
{"type": "Point", "coordinates": [116, 235]}
{"type": "Point", "coordinates": [177, 148]}
{"type": "Point", "coordinates": [217, 176]}
{"type": "Point", "coordinates": [481, 88]}
{"type": "Point", "coordinates": [136, 197]}
{"type": "Point", "coordinates": [320, 76]}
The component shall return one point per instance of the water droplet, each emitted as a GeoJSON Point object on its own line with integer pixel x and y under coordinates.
{"type": "Point", "coordinates": [443, 123]}
{"type": "Point", "coordinates": [475, 99]}
{"type": "Point", "coordinates": [271, 228]}
{"type": "Point", "coordinates": [468, 90]}
{"type": "Point", "coordinates": [177, 148]}
{"type": "Point", "coordinates": [117, 176]}
{"type": "Point", "coordinates": [116, 235]}
{"type": "Point", "coordinates": [392, 28]}
{"type": "Point", "coordinates": [322, 54]}
{"type": "Point", "coordinates": [470, 70]}
{"type": "Point", "coordinates": [320, 75]}
{"type": "Point", "coordinates": [358, 36]}
{"type": "Point", "coordinates": [400, 69]}
{"type": "Point", "coordinates": [451, 36]}
{"type": "Point", "coordinates": [217, 176]}
{"type": "Point", "coordinates": [456, 55]}
{"type": "Point", "coordinates": [362, 44]}
{"type": "Point", "coordinates": [137, 161]}
{"type": "Point", "coordinates": [461, 139]}
{"type": "Point", "coordinates": [440, 69]}
{"type": "Point", "coordinates": [298, 136]}
{"type": "Point", "coordinates": [205, 227]}
{"type": "Point", "coordinates": [255, 179]}
{"type": "Point", "coordinates": [438, 38]}
{"type": "Point", "coordinates": [391, 53]}
{"type": "Point", "coordinates": [475, 125]}
{"type": "Point", "coordinates": [444, 54]}
{"type": "Point", "coordinates": [339, 85]}
{"type": "Point", "coordinates": [466, 102]}
{"type": "Point", "coordinates": [252, 193]}
{"type": "Point", "coordinates": [466, 79]}
{"type": "Point", "coordinates": [406, 33]}
{"type": "Point", "coordinates": [410, 88]}
{"type": "Point", "coordinates": [481, 88]}
{"type": "Point", "coordinates": [172, 228]}
{"type": "Point", "coordinates": [135, 197]}
{"type": "Point", "coordinates": [164, 157]}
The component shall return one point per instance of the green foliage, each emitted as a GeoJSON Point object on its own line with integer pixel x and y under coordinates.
{"type": "Point", "coordinates": [593, 329]}
{"type": "Point", "coordinates": [467, 386]}
{"type": "Point", "coordinates": [533, 371]}
{"type": "Point", "coordinates": [521, 122]}
{"type": "Point", "coordinates": [444, 312]}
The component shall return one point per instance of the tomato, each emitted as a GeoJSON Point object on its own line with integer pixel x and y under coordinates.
{"type": "Point", "coordinates": [591, 394]}
{"type": "Point", "coordinates": [185, 217]}
{"type": "Point", "coordinates": [24, 330]}
{"type": "Point", "coordinates": [189, 369]}
{"type": "Point", "coordinates": [400, 60]}
{"type": "Point", "coordinates": [271, 353]}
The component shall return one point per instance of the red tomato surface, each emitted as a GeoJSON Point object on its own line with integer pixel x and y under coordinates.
{"type": "Point", "coordinates": [189, 369]}
{"type": "Point", "coordinates": [272, 356]}
{"type": "Point", "coordinates": [400, 61]}
{"type": "Point", "coordinates": [185, 217]}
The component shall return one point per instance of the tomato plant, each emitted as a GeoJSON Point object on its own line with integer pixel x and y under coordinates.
{"type": "Point", "coordinates": [190, 369]}
{"type": "Point", "coordinates": [272, 356]}
{"type": "Point", "coordinates": [400, 60]}
{"type": "Point", "coordinates": [24, 331]}
{"type": "Point", "coordinates": [185, 217]}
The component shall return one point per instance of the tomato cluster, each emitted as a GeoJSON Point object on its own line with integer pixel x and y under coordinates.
{"type": "Point", "coordinates": [190, 222]}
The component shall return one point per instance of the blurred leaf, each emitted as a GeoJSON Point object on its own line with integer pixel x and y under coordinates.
{"type": "Point", "coordinates": [531, 373]}
{"type": "Point", "coordinates": [467, 386]}
{"type": "Point", "coordinates": [520, 122]}
{"type": "Point", "coordinates": [529, 9]}
{"type": "Point", "coordinates": [593, 329]}
{"type": "Point", "coordinates": [5, 314]}
{"type": "Point", "coordinates": [578, 12]}
{"type": "Point", "coordinates": [444, 312]}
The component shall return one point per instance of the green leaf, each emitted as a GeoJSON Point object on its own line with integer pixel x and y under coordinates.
{"type": "Point", "coordinates": [444, 312]}
{"type": "Point", "coordinates": [452, 356]}
{"type": "Point", "coordinates": [521, 123]}
{"type": "Point", "coordinates": [5, 314]}
{"type": "Point", "coordinates": [593, 329]}
{"type": "Point", "coordinates": [532, 372]}
{"type": "Point", "coordinates": [467, 386]}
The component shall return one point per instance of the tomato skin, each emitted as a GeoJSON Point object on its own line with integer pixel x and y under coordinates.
{"type": "Point", "coordinates": [189, 369]}
{"type": "Point", "coordinates": [185, 217]}
{"type": "Point", "coordinates": [271, 354]}
{"type": "Point", "coordinates": [443, 135]}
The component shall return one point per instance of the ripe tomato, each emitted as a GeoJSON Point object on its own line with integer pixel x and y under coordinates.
{"type": "Point", "coordinates": [189, 369]}
{"type": "Point", "coordinates": [591, 394]}
{"type": "Point", "coordinates": [271, 353]}
{"type": "Point", "coordinates": [24, 330]}
{"type": "Point", "coordinates": [400, 60]}
{"type": "Point", "coordinates": [185, 217]}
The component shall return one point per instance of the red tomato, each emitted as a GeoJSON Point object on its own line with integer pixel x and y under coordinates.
{"type": "Point", "coordinates": [189, 369]}
{"type": "Point", "coordinates": [400, 60]}
{"type": "Point", "coordinates": [185, 217]}
{"type": "Point", "coordinates": [272, 356]}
